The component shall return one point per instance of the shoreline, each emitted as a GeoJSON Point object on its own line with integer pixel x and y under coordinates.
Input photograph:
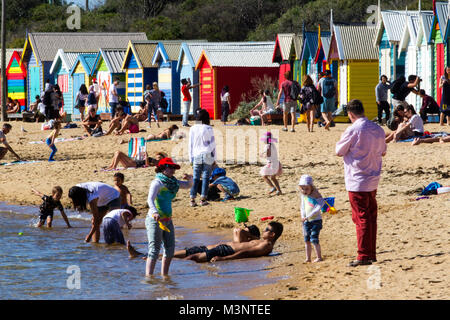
{"type": "Point", "coordinates": [413, 246]}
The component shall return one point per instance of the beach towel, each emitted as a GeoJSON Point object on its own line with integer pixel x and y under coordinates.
{"type": "Point", "coordinates": [58, 140]}
{"type": "Point", "coordinates": [18, 162]}
{"type": "Point", "coordinates": [137, 148]}
{"type": "Point", "coordinates": [156, 140]}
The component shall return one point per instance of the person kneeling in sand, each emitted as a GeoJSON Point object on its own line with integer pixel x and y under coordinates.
{"type": "Point", "coordinates": [240, 235]}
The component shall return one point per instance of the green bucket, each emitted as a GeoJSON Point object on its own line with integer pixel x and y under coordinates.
{"type": "Point", "coordinates": [241, 214]}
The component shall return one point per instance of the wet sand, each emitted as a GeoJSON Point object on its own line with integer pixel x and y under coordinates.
{"type": "Point", "coordinates": [413, 236]}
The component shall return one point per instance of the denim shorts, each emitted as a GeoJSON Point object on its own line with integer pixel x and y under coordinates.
{"type": "Point", "coordinates": [112, 232]}
{"type": "Point", "coordinates": [311, 230]}
{"type": "Point", "coordinates": [156, 236]}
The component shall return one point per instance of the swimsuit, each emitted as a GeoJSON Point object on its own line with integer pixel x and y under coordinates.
{"type": "Point", "coordinates": [221, 250]}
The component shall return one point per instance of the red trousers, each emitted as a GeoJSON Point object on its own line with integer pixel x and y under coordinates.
{"type": "Point", "coordinates": [364, 215]}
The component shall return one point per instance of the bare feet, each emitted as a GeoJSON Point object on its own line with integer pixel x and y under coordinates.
{"type": "Point", "coordinates": [307, 261]}
{"type": "Point", "coordinates": [133, 253]}
{"type": "Point", "coordinates": [318, 260]}
{"type": "Point", "coordinates": [415, 142]}
{"type": "Point", "coordinates": [272, 190]}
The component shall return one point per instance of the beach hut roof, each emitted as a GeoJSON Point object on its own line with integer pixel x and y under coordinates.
{"type": "Point", "coordinates": [87, 60]}
{"type": "Point", "coordinates": [45, 45]}
{"type": "Point", "coordinates": [441, 18]}
{"type": "Point", "coordinates": [170, 50]}
{"type": "Point", "coordinates": [67, 59]}
{"type": "Point", "coordinates": [16, 55]}
{"type": "Point", "coordinates": [426, 22]}
{"type": "Point", "coordinates": [113, 59]}
{"type": "Point", "coordinates": [287, 45]}
{"type": "Point", "coordinates": [143, 52]}
{"type": "Point", "coordinates": [412, 29]}
{"type": "Point", "coordinates": [310, 43]}
{"type": "Point", "coordinates": [354, 42]}
{"type": "Point", "coordinates": [326, 41]}
{"type": "Point", "coordinates": [9, 54]}
{"type": "Point", "coordinates": [393, 21]}
{"type": "Point", "coordinates": [245, 54]}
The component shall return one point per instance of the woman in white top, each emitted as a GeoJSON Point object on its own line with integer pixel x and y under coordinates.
{"type": "Point", "coordinates": [202, 154]}
{"type": "Point", "coordinates": [226, 103]}
{"type": "Point", "coordinates": [101, 197]}
{"type": "Point", "coordinates": [413, 127]}
{"type": "Point", "coordinates": [114, 221]}
{"type": "Point", "coordinates": [267, 107]}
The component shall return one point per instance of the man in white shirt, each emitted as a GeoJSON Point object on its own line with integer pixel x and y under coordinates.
{"type": "Point", "coordinates": [113, 97]}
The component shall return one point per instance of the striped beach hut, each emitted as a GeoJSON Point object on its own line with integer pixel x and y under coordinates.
{"type": "Point", "coordinates": [166, 57]}
{"type": "Point", "coordinates": [425, 52]}
{"type": "Point", "coordinates": [187, 59]}
{"type": "Point", "coordinates": [107, 68]}
{"type": "Point", "coordinates": [41, 47]}
{"type": "Point", "coordinates": [60, 74]}
{"type": "Point", "coordinates": [310, 43]}
{"type": "Point", "coordinates": [438, 38]}
{"type": "Point", "coordinates": [140, 70]}
{"type": "Point", "coordinates": [81, 74]}
{"type": "Point", "coordinates": [235, 66]}
{"type": "Point", "coordinates": [283, 54]}
{"type": "Point", "coordinates": [323, 48]}
{"type": "Point", "coordinates": [351, 46]}
{"type": "Point", "coordinates": [16, 74]}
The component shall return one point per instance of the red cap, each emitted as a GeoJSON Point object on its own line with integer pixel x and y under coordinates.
{"type": "Point", "coordinates": [168, 162]}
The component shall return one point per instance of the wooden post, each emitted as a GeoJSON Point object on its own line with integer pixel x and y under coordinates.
{"type": "Point", "coordinates": [3, 62]}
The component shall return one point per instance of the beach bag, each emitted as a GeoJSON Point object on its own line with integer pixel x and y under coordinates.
{"type": "Point", "coordinates": [316, 98]}
{"type": "Point", "coordinates": [91, 99]}
{"type": "Point", "coordinates": [328, 89]}
{"type": "Point", "coordinates": [430, 189]}
{"type": "Point", "coordinates": [47, 100]}
{"type": "Point", "coordinates": [295, 90]}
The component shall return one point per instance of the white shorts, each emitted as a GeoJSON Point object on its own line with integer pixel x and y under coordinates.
{"type": "Point", "coordinates": [289, 107]}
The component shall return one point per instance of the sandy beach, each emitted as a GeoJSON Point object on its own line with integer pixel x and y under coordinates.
{"type": "Point", "coordinates": [413, 236]}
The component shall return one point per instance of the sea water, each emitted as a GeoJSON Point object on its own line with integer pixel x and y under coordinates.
{"type": "Point", "coordinates": [43, 263]}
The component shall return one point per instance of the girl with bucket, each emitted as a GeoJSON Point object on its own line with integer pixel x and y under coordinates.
{"type": "Point", "coordinates": [158, 223]}
{"type": "Point", "coordinates": [273, 167]}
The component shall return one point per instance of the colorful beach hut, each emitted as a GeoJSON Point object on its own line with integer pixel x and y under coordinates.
{"type": "Point", "coordinates": [60, 74]}
{"type": "Point", "coordinates": [16, 74]}
{"type": "Point", "coordinates": [351, 46]}
{"type": "Point", "coordinates": [140, 70]}
{"type": "Point", "coordinates": [235, 66]}
{"type": "Point", "coordinates": [283, 54]}
{"type": "Point", "coordinates": [166, 58]}
{"type": "Point", "coordinates": [321, 55]}
{"type": "Point", "coordinates": [425, 52]}
{"type": "Point", "coordinates": [41, 47]}
{"type": "Point", "coordinates": [310, 43]}
{"type": "Point", "coordinates": [189, 54]}
{"type": "Point", "coordinates": [81, 74]}
{"type": "Point", "coordinates": [438, 39]}
{"type": "Point", "coordinates": [107, 68]}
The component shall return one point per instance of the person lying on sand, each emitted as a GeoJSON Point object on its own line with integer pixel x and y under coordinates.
{"type": "Point", "coordinates": [127, 162]}
{"type": "Point", "coordinates": [164, 135]}
{"type": "Point", "coordinates": [418, 141]}
{"type": "Point", "coordinates": [244, 245]}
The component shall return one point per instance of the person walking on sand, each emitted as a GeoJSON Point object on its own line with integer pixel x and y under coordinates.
{"type": "Point", "coordinates": [3, 150]}
{"type": "Point", "coordinates": [159, 225]}
{"type": "Point", "coordinates": [444, 85]}
{"type": "Point", "coordinates": [113, 97]}
{"type": "Point", "coordinates": [328, 89]}
{"type": "Point", "coordinates": [289, 104]}
{"type": "Point", "coordinates": [310, 207]}
{"type": "Point", "coordinates": [187, 99]}
{"type": "Point", "coordinates": [309, 97]}
{"type": "Point", "coordinates": [226, 103]}
{"type": "Point", "coordinates": [362, 146]}
{"type": "Point", "coordinates": [50, 141]}
{"type": "Point", "coordinates": [273, 167]}
{"type": "Point", "coordinates": [381, 95]}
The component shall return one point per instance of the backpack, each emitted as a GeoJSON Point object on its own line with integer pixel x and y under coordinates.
{"type": "Point", "coordinates": [47, 100]}
{"type": "Point", "coordinates": [295, 90]}
{"type": "Point", "coordinates": [91, 98]}
{"type": "Point", "coordinates": [164, 104]}
{"type": "Point", "coordinates": [328, 89]}
{"type": "Point", "coordinates": [397, 84]}
{"type": "Point", "coordinates": [316, 98]}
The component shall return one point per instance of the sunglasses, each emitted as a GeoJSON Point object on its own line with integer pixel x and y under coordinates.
{"type": "Point", "coordinates": [268, 230]}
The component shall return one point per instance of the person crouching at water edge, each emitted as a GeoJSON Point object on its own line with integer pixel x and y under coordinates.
{"type": "Point", "coordinates": [158, 223]}
{"type": "Point", "coordinates": [102, 198]}
{"type": "Point", "coordinates": [114, 221]}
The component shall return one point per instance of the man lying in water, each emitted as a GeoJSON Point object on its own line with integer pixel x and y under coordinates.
{"type": "Point", "coordinates": [245, 244]}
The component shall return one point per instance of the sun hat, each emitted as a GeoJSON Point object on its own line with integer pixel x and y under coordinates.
{"type": "Point", "coordinates": [268, 137]}
{"type": "Point", "coordinates": [305, 180]}
{"type": "Point", "coordinates": [168, 162]}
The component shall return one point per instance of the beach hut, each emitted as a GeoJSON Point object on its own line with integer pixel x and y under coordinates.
{"type": "Point", "coordinates": [16, 74]}
{"type": "Point", "coordinates": [81, 74]}
{"type": "Point", "coordinates": [323, 48]}
{"type": "Point", "coordinates": [41, 47]}
{"type": "Point", "coordinates": [60, 74]}
{"type": "Point", "coordinates": [425, 52]}
{"type": "Point", "coordinates": [236, 66]}
{"type": "Point", "coordinates": [437, 38]}
{"type": "Point", "coordinates": [283, 54]}
{"type": "Point", "coordinates": [309, 50]}
{"type": "Point", "coordinates": [189, 54]}
{"type": "Point", "coordinates": [351, 46]}
{"type": "Point", "coordinates": [166, 58]}
{"type": "Point", "coordinates": [139, 70]}
{"type": "Point", "coordinates": [107, 68]}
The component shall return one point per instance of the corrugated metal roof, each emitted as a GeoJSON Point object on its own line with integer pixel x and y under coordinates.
{"type": "Point", "coordinates": [311, 41]}
{"type": "Point", "coordinates": [145, 51]}
{"type": "Point", "coordinates": [326, 41]}
{"type": "Point", "coordinates": [285, 41]}
{"type": "Point", "coordinates": [393, 23]}
{"type": "Point", "coordinates": [249, 55]}
{"type": "Point", "coordinates": [46, 44]}
{"type": "Point", "coordinates": [298, 45]}
{"type": "Point", "coordinates": [9, 53]}
{"type": "Point", "coordinates": [355, 42]}
{"type": "Point", "coordinates": [113, 59]}
{"type": "Point", "coordinates": [67, 59]}
{"type": "Point", "coordinates": [172, 49]}
{"type": "Point", "coordinates": [427, 21]}
{"type": "Point", "coordinates": [442, 15]}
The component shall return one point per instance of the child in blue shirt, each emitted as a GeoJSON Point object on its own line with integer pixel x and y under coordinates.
{"type": "Point", "coordinates": [224, 184]}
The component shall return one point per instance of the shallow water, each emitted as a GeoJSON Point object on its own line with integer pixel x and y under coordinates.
{"type": "Point", "coordinates": [42, 263]}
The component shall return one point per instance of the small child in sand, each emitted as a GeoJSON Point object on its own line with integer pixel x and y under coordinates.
{"type": "Point", "coordinates": [125, 194]}
{"type": "Point", "coordinates": [48, 206]}
{"type": "Point", "coordinates": [310, 208]}
{"type": "Point", "coordinates": [56, 126]}
{"type": "Point", "coordinates": [224, 184]}
{"type": "Point", "coordinates": [114, 221]}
